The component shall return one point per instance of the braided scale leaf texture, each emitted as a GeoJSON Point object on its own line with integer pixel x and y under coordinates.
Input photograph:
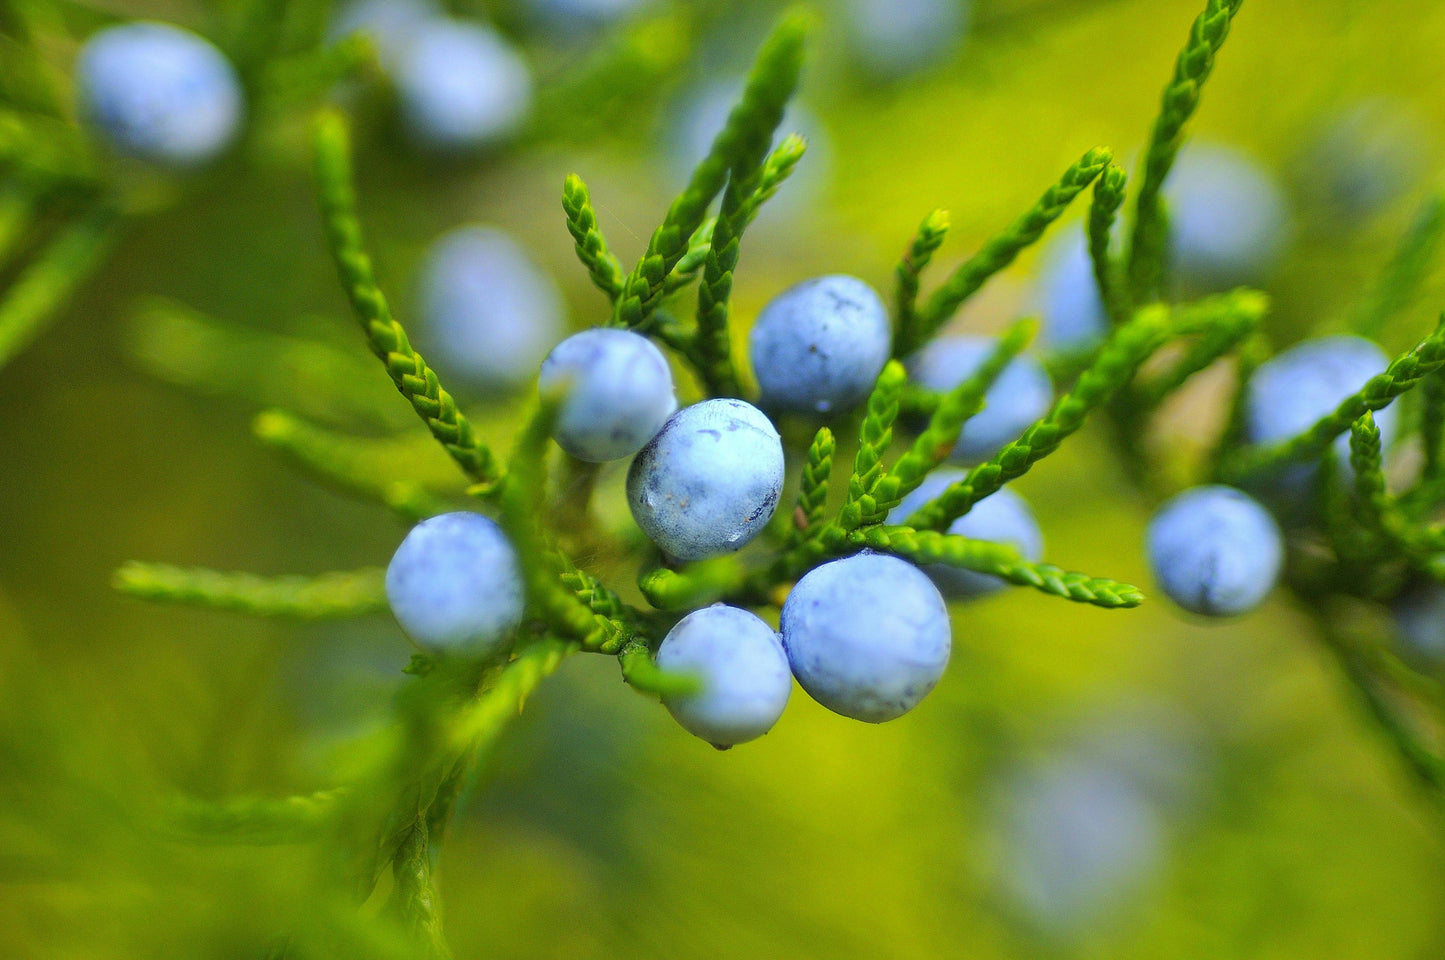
{"type": "Point", "coordinates": [408, 370]}
{"type": "Point", "coordinates": [592, 250]}
{"type": "Point", "coordinates": [749, 128]}
{"type": "Point", "coordinates": [875, 436]}
{"type": "Point", "coordinates": [1181, 98]}
{"type": "Point", "coordinates": [1403, 373]}
{"type": "Point", "coordinates": [999, 252]}
{"type": "Point", "coordinates": [812, 506]}
{"type": "Point", "coordinates": [909, 272]}
{"type": "Point", "coordinates": [1117, 362]}
{"type": "Point", "coordinates": [1108, 198]}
{"type": "Point", "coordinates": [930, 546]}
{"type": "Point", "coordinates": [752, 179]}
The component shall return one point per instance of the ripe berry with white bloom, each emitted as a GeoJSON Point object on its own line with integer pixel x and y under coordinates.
{"type": "Point", "coordinates": [1293, 390]}
{"type": "Point", "coordinates": [455, 586]}
{"type": "Point", "coordinates": [617, 393]}
{"type": "Point", "coordinates": [1020, 395]}
{"type": "Point", "coordinates": [709, 481]}
{"type": "Point", "coordinates": [819, 346]}
{"type": "Point", "coordinates": [1004, 518]}
{"type": "Point", "coordinates": [461, 85]}
{"type": "Point", "coordinates": [159, 93]}
{"type": "Point", "coordinates": [741, 667]}
{"type": "Point", "coordinates": [489, 311]}
{"type": "Point", "coordinates": [1215, 551]}
{"type": "Point", "coordinates": [867, 636]}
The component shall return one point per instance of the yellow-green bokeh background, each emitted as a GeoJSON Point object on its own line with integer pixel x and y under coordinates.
{"type": "Point", "coordinates": [602, 829]}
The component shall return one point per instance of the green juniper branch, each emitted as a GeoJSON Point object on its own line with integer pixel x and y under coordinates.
{"type": "Point", "coordinates": [936, 441]}
{"type": "Point", "coordinates": [1181, 98]}
{"type": "Point", "coordinates": [591, 246]}
{"type": "Point", "coordinates": [999, 252]}
{"type": "Point", "coordinates": [1432, 425]}
{"type": "Point", "coordinates": [1403, 373]}
{"type": "Point", "coordinates": [1405, 273]}
{"type": "Point", "coordinates": [1117, 362]}
{"type": "Point", "coordinates": [416, 381]}
{"type": "Point", "coordinates": [999, 560]}
{"type": "Point", "coordinates": [521, 495]}
{"type": "Point", "coordinates": [1108, 198]}
{"type": "Point", "coordinates": [48, 282]}
{"type": "Point", "coordinates": [1227, 320]}
{"type": "Point", "coordinates": [909, 273]}
{"type": "Point", "coordinates": [770, 85]}
{"type": "Point", "coordinates": [251, 821]}
{"type": "Point", "coordinates": [753, 178]}
{"type": "Point", "coordinates": [875, 436]}
{"type": "Point", "coordinates": [812, 506]}
{"type": "Point", "coordinates": [1374, 507]}
{"type": "Point", "coordinates": [179, 345]}
{"type": "Point", "coordinates": [328, 596]}
{"type": "Point", "coordinates": [367, 468]}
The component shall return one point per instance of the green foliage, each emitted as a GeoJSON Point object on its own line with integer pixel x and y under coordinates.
{"type": "Point", "coordinates": [376, 470]}
{"type": "Point", "coordinates": [909, 272]}
{"type": "Point", "coordinates": [47, 283]}
{"type": "Point", "coordinates": [999, 252]}
{"type": "Point", "coordinates": [416, 381]}
{"type": "Point", "coordinates": [1147, 248]}
{"type": "Point", "coordinates": [1117, 362]}
{"type": "Point", "coordinates": [930, 546]}
{"type": "Point", "coordinates": [180, 345]}
{"type": "Point", "coordinates": [394, 813]}
{"type": "Point", "coordinates": [749, 128]}
{"type": "Point", "coordinates": [325, 597]}
{"type": "Point", "coordinates": [812, 503]}
{"type": "Point", "coordinates": [602, 266]}
{"type": "Point", "coordinates": [1109, 192]}
{"type": "Point", "coordinates": [1402, 375]}
{"type": "Point", "coordinates": [1406, 271]}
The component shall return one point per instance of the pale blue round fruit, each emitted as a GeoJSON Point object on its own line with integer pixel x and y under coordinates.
{"type": "Point", "coordinates": [867, 636]}
{"type": "Point", "coordinates": [708, 483]}
{"type": "Point", "coordinates": [819, 346]}
{"type": "Point", "coordinates": [1228, 220]}
{"type": "Point", "coordinates": [1078, 840]}
{"type": "Point", "coordinates": [455, 586]}
{"type": "Point", "coordinates": [159, 93]}
{"type": "Point", "coordinates": [1021, 395]}
{"type": "Point", "coordinates": [740, 665]}
{"type": "Point", "coordinates": [1067, 295]}
{"type": "Point", "coordinates": [461, 85]}
{"type": "Point", "coordinates": [1365, 158]}
{"type": "Point", "coordinates": [1215, 551]}
{"type": "Point", "coordinates": [490, 313]}
{"type": "Point", "coordinates": [616, 390]}
{"type": "Point", "coordinates": [1290, 392]}
{"type": "Point", "coordinates": [897, 37]}
{"type": "Point", "coordinates": [1003, 518]}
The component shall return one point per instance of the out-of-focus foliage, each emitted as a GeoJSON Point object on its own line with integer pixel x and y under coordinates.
{"type": "Point", "coordinates": [1180, 788]}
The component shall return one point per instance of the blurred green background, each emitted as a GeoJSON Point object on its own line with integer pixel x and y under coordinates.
{"type": "Point", "coordinates": [1082, 784]}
